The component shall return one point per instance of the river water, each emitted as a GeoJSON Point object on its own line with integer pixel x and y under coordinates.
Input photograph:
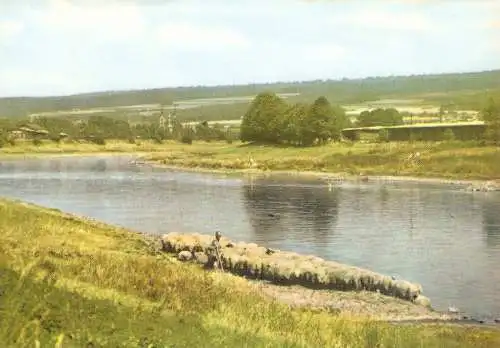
{"type": "Point", "coordinates": [442, 237]}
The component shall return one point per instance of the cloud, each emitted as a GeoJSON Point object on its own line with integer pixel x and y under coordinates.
{"type": "Point", "coordinates": [494, 23]}
{"type": "Point", "coordinates": [84, 45]}
{"type": "Point", "coordinates": [10, 29]}
{"type": "Point", "coordinates": [189, 36]}
{"type": "Point", "coordinates": [488, 4]}
{"type": "Point", "coordinates": [109, 20]}
{"type": "Point", "coordinates": [324, 52]}
{"type": "Point", "coordinates": [18, 80]}
{"type": "Point", "coordinates": [392, 20]}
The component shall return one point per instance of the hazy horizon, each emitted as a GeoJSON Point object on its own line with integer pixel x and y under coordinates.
{"type": "Point", "coordinates": [62, 47]}
{"type": "Point", "coordinates": [92, 92]}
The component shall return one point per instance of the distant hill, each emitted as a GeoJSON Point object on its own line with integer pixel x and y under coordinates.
{"type": "Point", "coordinates": [339, 91]}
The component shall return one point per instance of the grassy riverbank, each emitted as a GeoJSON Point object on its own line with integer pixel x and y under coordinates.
{"type": "Point", "coordinates": [449, 160]}
{"type": "Point", "coordinates": [77, 281]}
{"type": "Point", "coordinates": [50, 147]}
{"type": "Point", "coordinates": [452, 160]}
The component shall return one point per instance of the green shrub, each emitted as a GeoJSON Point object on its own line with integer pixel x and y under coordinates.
{"type": "Point", "coordinates": [448, 135]}
{"type": "Point", "coordinates": [56, 139]}
{"type": "Point", "coordinates": [383, 136]}
{"type": "Point", "coordinates": [187, 139]}
{"type": "Point", "coordinates": [99, 140]}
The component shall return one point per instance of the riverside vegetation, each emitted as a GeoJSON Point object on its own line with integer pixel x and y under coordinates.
{"type": "Point", "coordinates": [68, 281]}
{"type": "Point", "coordinates": [447, 160]}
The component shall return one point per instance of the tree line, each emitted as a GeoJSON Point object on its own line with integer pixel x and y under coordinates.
{"type": "Point", "coordinates": [380, 117]}
{"type": "Point", "coordinates": [98, 129]}
{"type": "Point", "coordinates": [491, 116]}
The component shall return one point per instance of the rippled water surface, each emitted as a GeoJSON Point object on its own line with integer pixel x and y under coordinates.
{"type": "Point", "coordinates": [440, 236]}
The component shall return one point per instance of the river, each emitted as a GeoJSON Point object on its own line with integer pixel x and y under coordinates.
{"type": "Point", "coordinates": [442, 237]}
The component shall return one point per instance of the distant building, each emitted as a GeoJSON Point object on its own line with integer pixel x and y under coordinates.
{"type": "Point", "coordinates": [29, 131]}
{"type": "Point", "coordinates": [17, 134]}
{"type": "Point", "coordinates": [162, 121]}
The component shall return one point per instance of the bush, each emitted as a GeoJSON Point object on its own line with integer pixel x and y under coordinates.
{"type": "Point", "coordinates": [99, 140]}
{"type": "Point", "coordinates": [448, 135]}
{"type": "Point", "coordinates": [56, 139]}
{"type": "Point", "coordinates": [383, 136]}
{"type": "Point", "coordinates": [415, 136]}
{"type": "Point", "coordinates": [37, 142]}
{"type": "Point", "coordinates": [187, 139]}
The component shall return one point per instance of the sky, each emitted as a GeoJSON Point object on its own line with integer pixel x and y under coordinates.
{"type": "Point", "coordinates": [61, 47]}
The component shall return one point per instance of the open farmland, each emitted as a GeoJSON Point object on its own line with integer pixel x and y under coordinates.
{"type": "Point", "coordinates": [181, 107]}
{"type": "Point", "coordinates": [420, 94]}
{"type": "Point", "coordinates": [228, 111]}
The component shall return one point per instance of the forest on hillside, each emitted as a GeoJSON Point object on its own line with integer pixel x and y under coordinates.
{"type": "Point", "coordinates": [462, 89]}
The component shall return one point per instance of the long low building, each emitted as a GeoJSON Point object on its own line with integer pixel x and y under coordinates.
{"type": "Point", "coordinates": [424, 131]}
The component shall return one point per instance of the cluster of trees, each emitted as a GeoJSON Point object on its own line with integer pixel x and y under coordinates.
{"type": "Point", "coordinates": [380, 117]}
{"type": "Point", "coordinates": [99, 128]}
{"type": "Point", "coordinates": [491, 117]}
{"type": "Point", "coordinates": [270, 119]}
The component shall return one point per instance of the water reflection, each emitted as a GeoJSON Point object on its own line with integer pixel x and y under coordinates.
{"type": "Point", "coordinates": [272, 209]}
{"type": "Point", "coordinates": [384, 195]}
{"type": "Point", "coordinates": [491, 220]}
{"type": "Point", "coordinates": [99, 166]}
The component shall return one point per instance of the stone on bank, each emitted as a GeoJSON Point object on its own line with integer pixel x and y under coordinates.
{"type": "Point", "coordinates": [288, 268]}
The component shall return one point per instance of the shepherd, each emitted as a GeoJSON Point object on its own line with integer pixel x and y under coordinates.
{"type": "Point", "coordinates": [216, 253]}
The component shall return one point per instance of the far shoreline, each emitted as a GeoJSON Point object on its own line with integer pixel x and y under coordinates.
{"type": "Point", "coordinates": [325, 175]}
{"type": "Point", "coordinates": [143, 156]}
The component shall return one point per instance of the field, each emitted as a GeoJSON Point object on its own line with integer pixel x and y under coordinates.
{"type": "Point", "coordinates": [460, 105]}
{"type": "Point", "coordinates": [189, 109]}
{"type": "Point", "coordinates": [225, 110]}
{"type": "Point", "coordinates": [70, 282]}
{"type": "Point", "coordinates": [458, 91]}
